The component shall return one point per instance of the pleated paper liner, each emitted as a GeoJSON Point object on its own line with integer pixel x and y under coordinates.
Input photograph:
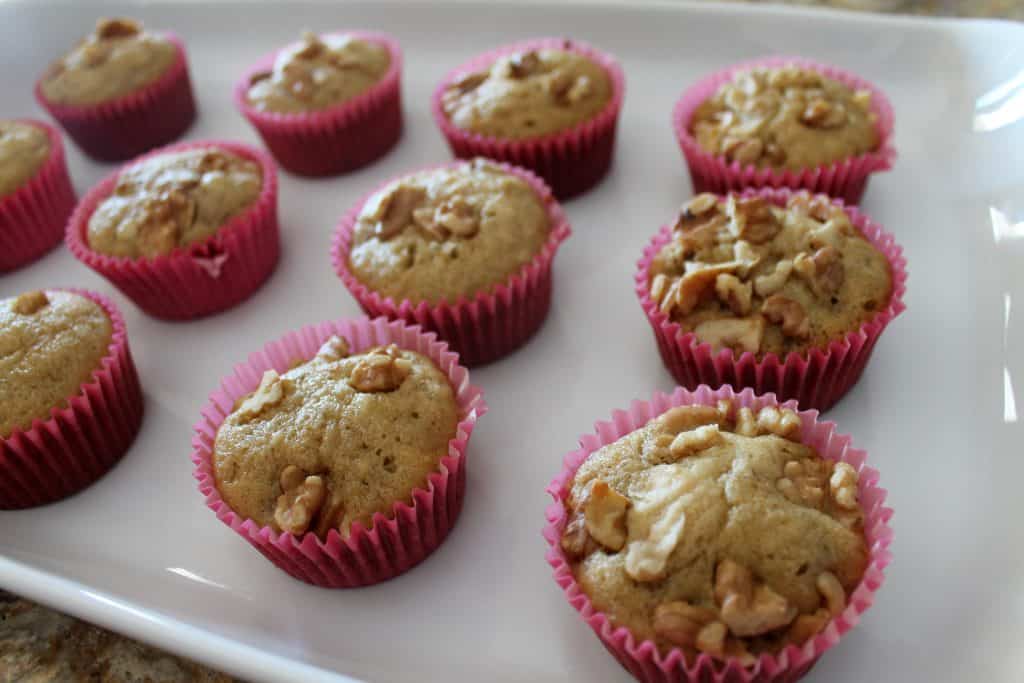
{"type": "Point", "coordinates": [77, 444]}
{"type": "Point", "coordinates": [571, 161]}
{"type": "Point", "coordinates": [846, 179]}
{"type": "Point", "coordinates": [495, 322]}
{"type": "Point", "coordinates": [642, 658]}
{"type": "Point", "coordinates": [154, 115]}
{"type": "Point", "coordinates": [340, 138]}
{"type": "Point", "coordinates": [202, 278]}
{"type": "Point", "coordinates": [393, 543]}
{"type": "Point", "coordinates": [816, 378]}
{"type": "Point", "coordinates": [33, 217]}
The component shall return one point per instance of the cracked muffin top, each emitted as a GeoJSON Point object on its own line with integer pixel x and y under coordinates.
{"type": "Point", "coordinates": [50, 344]}
{"type": "Point", "coordinates": [172, 200]}
{"type": "Point", "coordinates": [116, 59]}
{"type": "Point", "coordinates": [786, 117]}
{"type": "Point", "coordinates": [318, 72]}
{"type": "Point", "coordinates": [528, 94]}
{"type": "Point", "coordinates": [448, 232]}
{"type": "Point", "coordinates": [23, 149]}
{"type": "Point", "coordinates": [745, 274]}
{"type": "Point", "coordinates": [713, 529]}
{"type": "Point", "coordinates": [335, 439]}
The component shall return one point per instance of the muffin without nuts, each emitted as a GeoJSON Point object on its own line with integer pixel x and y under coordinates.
{"type": "Point", "coordinates": [336, 439]}
{"type": "Point", "coordinates": [23, 149]}
{"type": "Point", "coordinates": [786, 117]}
{"type": "Point", "coordinates": [319, 72]}
{"type": "Point", "coordinates": [118, 58]}
{"type": "Point", "coordinates": [744, 274]}
{"type": "Point", "coordinates": [50, 344]}
{"type": "Point", "coordinates": [713, 529]}
{"type": "Point", "coordinates": [172, 200]}
{"type": "Point", "coordinates": [440, 234]}
{"type": "Point", "coordinates": [528, 94]}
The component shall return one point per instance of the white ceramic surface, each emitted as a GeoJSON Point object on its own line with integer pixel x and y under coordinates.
{"type": "Point", "coordinates": [140, 553]}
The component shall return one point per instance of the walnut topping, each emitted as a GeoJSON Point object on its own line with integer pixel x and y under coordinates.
{"type": "Point", "coordinates": [862, 98]}
{"type": "Point", "coordinates": [107, 29]}
{"type": "Point", "coordinates": [30, 302]}
{"type": "Point", "coordinates": [694, 441]}
{"type": "Point", "coordinates": [268, 393]}
{"type": "Point", "coordinates": [470, 82]}
{"type": "Point", "coordinates": [312, 46]}
{"type": "Point", "coordinates": [699, 205]}
{"type": "Point", "coordinates": [680, 622]}
{"type": "Point", "coordinates": [524, 64]}
{"type": "Point", "coordinates": [749, 608]}
{"type": "Point", "coordinates": [832, 592]}
{"type": "Point", "coordinates": [700, 283]}
{"type": "Point", "coordinates": [605, 516]}
{"type": "Point", "coordinates": [755, 221]}
{"type": "Point", "coordinates": [568, 89]}
{"type": "Point", "coordinates": [793, 76]}
{"type": "Point", "coordinates": [804, 482]}
{"type": "Point", "coordinates": [743, 150]}
{"type": "Point", "coordinates": [821, 114]}
{"type": "Point", "coordinates": [734, 293]}
{"type": "Point", "coordinates": [576, 542]}
{"type": "Point", "coordinates": [335, 348]}
{"type": "Point", "coordinates": [331, 513]}
{"type": "Point", "coordinates": [746, 422]}
{"type": "Point", "coordinates": [259, 76]}
{"type": "Point", "coordinates": [766, 285]}
{"type": "Point", "coordinates": [381, 369]}
{"type": "Point", "coordinates": [394, 208]}
{"type": "Point", "coordinates": [843, 485]}
{"type": "Point", "coordinates": [659, 285]}
{"type": "Point", "coordinates": [739, 334]}
{"type": "Point", "coordinates": [301, 499]}
{"type": "Point", "coordinates": [684, 418]}
{"type": "Point", "coordinates": [787, 313]}
{"type": "Point", "coordinates": [806, 626]}
{"type": "Point", "coordinates": [458, 217]}
{"type": "Point", "coordinates": [817, 207]}
{"type": "Point", "coordinates": [784, 423]}
{"type": "Point", "coordinates": [823, 271]}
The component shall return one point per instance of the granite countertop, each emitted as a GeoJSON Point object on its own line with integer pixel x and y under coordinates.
{"type": "Point", "coordinates": [39, 645]}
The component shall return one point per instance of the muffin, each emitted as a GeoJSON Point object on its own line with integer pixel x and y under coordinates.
{"type": "Point", "coordinates": [339, 451]}
{"type": "Point", "coordinates": [121, 91]}
{"type": "Point", "coordinates": [184, 231]}
{"type": "Point", "coordinates": [463, 249]}
{"type": "Point", "coordinates": [36, 196]}
{"type": "Point", "coordinates": [784, 122]}
{"type": "Point", "coordinates": [66, 372]}
{"type": "Point", "coordinates": [759, 279]}
{"type": "Point", "coordinates": [728, 532]}
{"type": "Point", "coordinates": [548, 105]}
{"type": "Point", "coordinates": [327, 104]}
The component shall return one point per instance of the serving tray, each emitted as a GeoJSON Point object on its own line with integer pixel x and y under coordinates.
{"type": "Point", "coordinates": [936, 410]}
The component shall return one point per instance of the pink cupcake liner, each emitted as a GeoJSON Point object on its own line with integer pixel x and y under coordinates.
{"type": "Point", "coordinates": [394, 543]}
{"type": "Point", "coordinates": [817, 378]}
{"type": "Point", "coordinates": [202, 278]}
{"type": "Point", "coordinates": [155, 115]}
{"type": "Point", "coordinates": [642, 658]}
{"type": "Point", "coordinates": [32, 218]}
{"type": "Point", "coordinates": [495, 322]}
{"type": "Point", "coordinates": [340, 138]}
{"type": "Point", "coordinates": [844, 179]}
{"type": "Point", "coordinates": [76, 445]}
{"type": "Point", "coordinates": [571, 162]}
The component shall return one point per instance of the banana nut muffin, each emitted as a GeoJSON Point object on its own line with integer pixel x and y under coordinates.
{"type": "Point", "coordinates": [318, 72]}
{"type": "Point", "coordinates": [529, 94]}
{"type": "Point", "coordinates": [172, 200]}
{"type": "Point", "coordinates": [449, 232]}
{"type": "Point", "coordinates": [118, 58]}
{"type": "Point", "coordinates": [335, 439]}
{"type": "Point", "coordinates": [786, 117]}
{"type": "Point", "coordinates": [745, 274]}
{"type": "Point", "coordinates": [50, 344]}
{"type": "Point", "coordinates": [713, 529]}
{"type": "Point", "coordinates": [23, 149]}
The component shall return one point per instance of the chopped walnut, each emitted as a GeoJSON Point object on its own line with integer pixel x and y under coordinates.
{"type": "Point", "coordinates": [804, 482]}
{"type": "Point", "coordinates": [711, 639]}
{"type": "Point", "coordinates": [793, 76]}
{"type": "Point", "coordinates": [754, 219]}
{"type": "Point", "coordinates": [381, 369]}
{"type": "Point", "coordinates": [605, 515]}
{"type": "Point", "coordinates": [458, 217]}
{"type": "Point", "coordinates": [470, 82]}
{"type": "Point", "coordinates": [699, 205]}
{"type": "Point", "coordinates": [695, 441]}
{"type": "Point", "coordinates": [30, 302]}
{"type": "Point", "coordinates": [685, 418]}
{"type": "Point", "coordinates": [754, 614]}
{"type": "Point", "coordinates": [568, 89]}
{"type": "Point", "coordinates": [699, 283]}
{"type": "Point", "coordinates": [742, 150]}
{"type": "Point", "coordinates": [789, 314]}
{"type": "Point", "coordinates": [806, 626]}
{"type": "Point", "coordinates": [331, 514]}
{"type": "Point", "coordinates": [766, 285]}
{"type": "Point", "coordinates": [823, 271]}
{"type": "Point", "coordinates": [862, 98]}
{"type": "Point", "coordinates": [734, 293]}
{"type": "Point", "coordinates": [699, 232]}
{"type": "Point", "coordinates": [524, 64]}
{"type": "Point", "coordinates": [817, 207]}
{"type": "Point", "coordinates": [783, 422]}
{"type": "Point", "coordinates": [107, 29]}
{"type": "Point", "coordinates": [843, 485]}
{"type": "Point", "coordinates": [268, 393]}
{"type": "Point", "coordinates": [394, 209]}
{"type": "Point", "coordinates": [832, 592]}
{"type": "Point", "coordinates": [301, 499]}
{"type": "Point", "coordinates": [312, 47]}
{"type": "Point", "coordinates": [822, 114]}
{"type": "Point", "coordinates": [732, 578]}
{"type": "Point", "coordinates": [659, 285]}
{"type": "Point", "coordinates": [335, 348]}
{"type": "Point", "coordinates": [576, 543]}
{"type": "Point", "coordinates": [739, 334]}
{"type": "Point", "coordinates": [680, 622]}
{"type": "Point", "coordinates": [746, 422]}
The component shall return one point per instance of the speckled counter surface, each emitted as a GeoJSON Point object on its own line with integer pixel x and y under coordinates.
{"type": "Point", "coordinates": [39, 645]}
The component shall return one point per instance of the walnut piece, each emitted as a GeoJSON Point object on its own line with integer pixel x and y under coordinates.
{"type": "Point", "coordinates": [335, 348]}
{"type": "Point", "coordinates": [458, 217]}
{"type": "Point", "coordinates": [107, 29]}
{"type": "Point", "coordinates": [381, 369]}
{"type": "Point", "coordinates": [680, 622]}
{"type": "Point", "coordinates": [806, 626]}
{"type": "Point", "coordinates": [822, 114]}
{"type": "Point", "coordinates": [823, 271]}
{"type": "Point", "coordinates": [470, 82]}
{"type": "Point", "coordinates": [605, 515]}
{"type": "Point", "coordinates": [843, 486]}
{"type": "Point", "coordinates": [312, 47]}
{"type": "Point", "coordinates": [755, 222]}
{"type": "Point", "coordinates": [576, 542]}
{"type": "Point", "coordinates": [695, 441]}
{"type": "Point", "coordinates": [754, 614]}
{"type": "Point", "coordinates": [784, 423]}
{"type": "Point", "coordinates": [699, 205]}
{"type": "Point", "coordinates": [268, 393]}
{"type": "Point", "coordinates": [659, 285]}
{"type": "Point", "coordinates": [699, 283]}
{"type": "Point", "coordinates": [524, 64]}
{"type": "Point", "coordinates": [568, 89]}
{"type": "Point", "coordinates": [739, 334]}
{"type": "Point", "coordinates": [804, 482]}
{"type": "Point", "coordinates": [742, 150]}
{"type": "Point", "coordinates": [766, 285]}
{"type": "Point", "coordinates": [30, 302]}
{"type": "Point", "coordinates": [788, 314]}
{"type": "Point", "coordinates": [832, 592]}
{"type": "Point", "coordinates": [746, 422]}
{"type": "Point", "coordinates": [711, 639]}
{"type": "Point", "coordinates": [684, 418]}
{"type": "Point", "coordinates": [734, 293]}
{"type": "Point", "coordinates": [330, 516]}
{"type": "Point", "coordinates": [393, 210]}
{"type": "Point", "coordinates": [301, 499]}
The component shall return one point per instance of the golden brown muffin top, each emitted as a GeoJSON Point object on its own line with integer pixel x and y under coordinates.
{"type": "Point", "coordinates": [317, 72]}
{"type": "Point", "coordinates": [172, 200]}
{"type": "Point", "coordinates": [748, 275]}
{"type": "Point", "coordinates": [119, 57]}
{"type": "Point", "coordinates": [50, 344]}
{"type": "Point", "coordinates": [444, 233]}
{"type": "Point", "coordinates": [336, 439]}
{"type": "Point", "coordinates": [528, 94]}
{"type": "Point", "coordinates": [786, 117]}
{"type": "Point", "coordinates": [714, 529]}
{"type": "Point", "coordinates": [23, 149]}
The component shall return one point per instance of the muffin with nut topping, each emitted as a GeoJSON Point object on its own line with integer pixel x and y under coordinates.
{"type": "Point", "coordinates": [121, 91]}
{"type": "Point", "coordinates": [455, 237]}
{"type": "Point", "coordinates": [714, 529]}
{"type": "Point", "coordinates": [784, 122]}
{"type": "Point", "coordinates": [547, 105]}
{"type": "Point", "coordinates": [329, 103]}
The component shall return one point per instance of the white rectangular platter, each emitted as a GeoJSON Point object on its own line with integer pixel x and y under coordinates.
{"type": "Point", "coordinates": [936, 410]}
